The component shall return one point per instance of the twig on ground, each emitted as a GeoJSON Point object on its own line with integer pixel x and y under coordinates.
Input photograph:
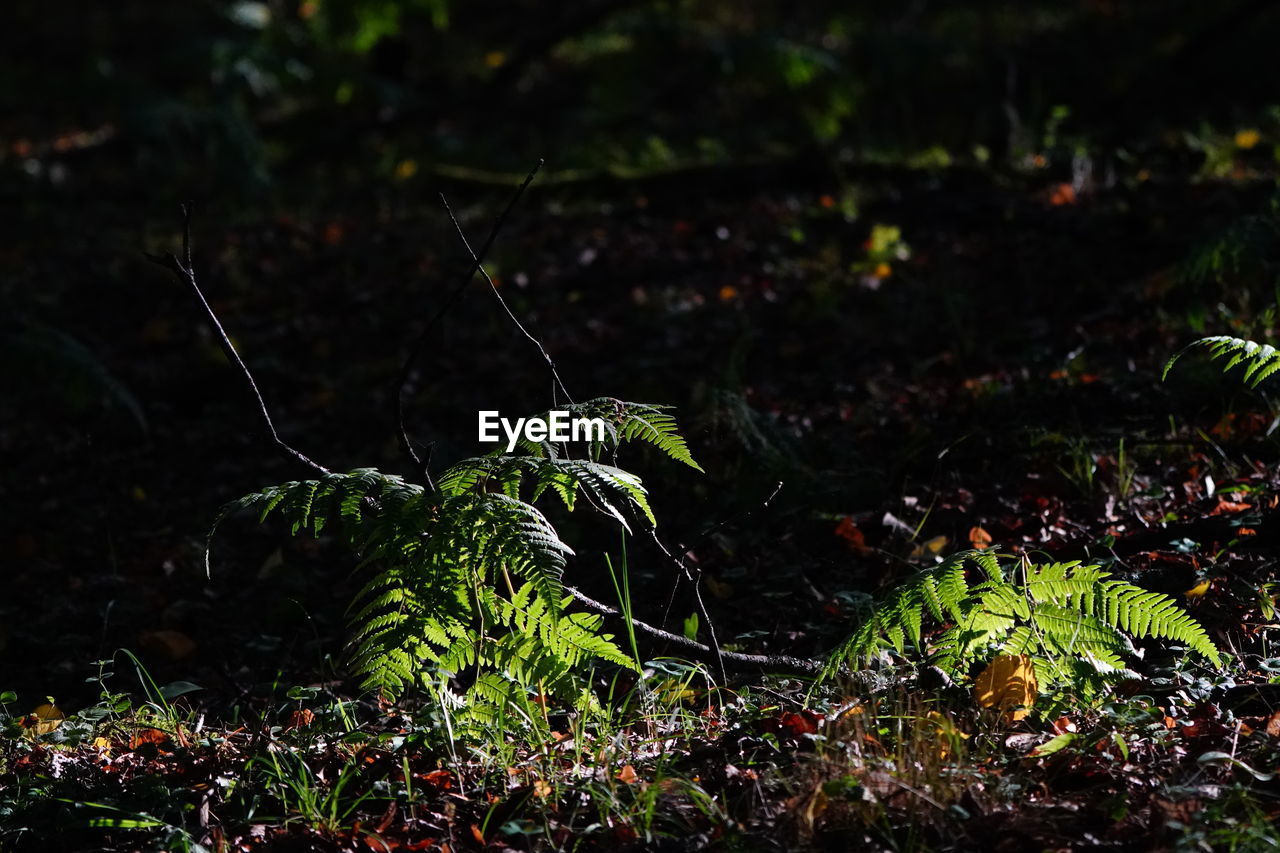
{"type": "Point", "coordinates": [768, 663]}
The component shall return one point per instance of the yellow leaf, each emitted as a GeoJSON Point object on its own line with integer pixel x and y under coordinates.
{"type": "Point", "coordinates": [1248, 138]}
{"type": "Point", "coordinates": [406, 169]}
{"type": "Point", "coordinates": [1198, 590]}
{"type": "Point", "coordinates": [542, 788]}
{"type": "Point", "coordinates": [942, 730]}
{"type": "Point", "coordinates": [1008, 683]}
{"type": "Point", "coordinates": [931, 548]}
{"type": "Point", "coordinates": [48, 718]}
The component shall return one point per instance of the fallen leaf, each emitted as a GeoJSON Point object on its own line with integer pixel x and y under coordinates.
{"type": "Point", "coordinates": [627, 775]}
{"type": "Point", "coordinates": [931, 547]}
{"type": "Point", "coordinates": [1008, 683]}
{"type": "Point", "coordinates": [1228, 507]}
{"type": "Point", "coordinates": [441, 780]}
{"type": "Point", "coordinates": [1198, 590]}
{"type": "Point", "coordinates": [979, 538]}
{"type": "Point", "coordinates": [300, 718]}
{"type": "Point", "coordinates": [47, 717]}
{"type": "Point", "coordinates": [1273, 725]}
{"type": "Point", "coordinates": [142, 737]}
{"type": "Point", "coordinates": [1061, 195]}
{"type": "Point", "coordinates": [1248, 138]}
{"type": "Point", "coordinates": [849, 532]}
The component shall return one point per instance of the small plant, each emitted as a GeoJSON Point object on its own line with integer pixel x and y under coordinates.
{"type": "Point", "coordinates": [468, 576]}
{"type": "Point", "coordinates": [1072, 621]}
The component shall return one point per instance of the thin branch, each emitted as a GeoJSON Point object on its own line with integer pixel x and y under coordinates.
{"type": "Point", "coordinates": [480, 267]}
{"type": "Point", "coordinates": [769, 663]}
{"type": "Point", "coordinates": [695, 578]}
{"type": "Point", "coordinates": [406, 370]}
{"type": "Point", "coordinates": [184, 270]}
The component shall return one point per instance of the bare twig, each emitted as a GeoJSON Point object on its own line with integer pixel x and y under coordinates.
{"type": "Point", "coordinates": [480, 267]}
{"type": "Point", "coordinates": [184, 270]}
{"type": "Point", "coordinates": [406, 370]}
{"type": "Point", "coordinates": [768, 663]}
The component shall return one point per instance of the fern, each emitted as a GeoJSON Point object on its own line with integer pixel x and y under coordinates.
{"type": "Point", "coordinates": [624, 422]}
{"type": "Point", "coordinates": [441, 598]}
{"type": "Point", "coordinates": [1074, 622]}
{"type": "Point", "coordinates": [1260, 360]}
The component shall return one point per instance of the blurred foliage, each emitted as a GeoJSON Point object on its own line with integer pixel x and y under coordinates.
{"type": "Point", "coordinates": [241, 97]}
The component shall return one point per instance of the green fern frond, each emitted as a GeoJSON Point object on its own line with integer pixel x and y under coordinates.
{"type": "Point", "coordinates": [1067, 616]}
{"type": "Point", "coordinates": [623, 422]}
{"type": "Point", "coordinates": [1260, 360]}
{"type": "Point", "coordinates": [430, 608]}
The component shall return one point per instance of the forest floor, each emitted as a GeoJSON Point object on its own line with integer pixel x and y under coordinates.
{"type": "Point", "coordinates": [872, 378]}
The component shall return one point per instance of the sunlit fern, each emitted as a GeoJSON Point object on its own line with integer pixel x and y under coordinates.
{"type": "Point", "coordinates": [1259, 360]}
{"type": "Point", "coordinates": [466, 579]}
{"type": "Point", "coordinates": [1075, 624]}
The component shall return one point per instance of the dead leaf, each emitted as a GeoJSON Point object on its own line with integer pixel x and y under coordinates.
{"type": "Point", "coordinates": [142, 737]}
{"type": "Point", "coordinates": [627, 775]}
{"type": "Point", "coordinates": [1198, 590]}
{"type": "Point", "coordinates": [300, 718]}
{"type": "Point", "coordinates": [979, 538]}
{"type": "Point", "coordinates": [1273, 725]}
{"type": "Point", "coordinates": [931, 547]}
{"type": "Point", "coordinates": [46, 719]}
{"type": "Point", "coordinates": [849, 532]}
{"type": "Point", "coordinates": [1009, 684]}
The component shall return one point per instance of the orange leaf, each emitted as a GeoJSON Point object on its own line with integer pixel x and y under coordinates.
{"type": "Point", "coordinates": [1061, 195]}
{"type": "Point", "coordinates": [300, 718]}
{"type": "Point", "coordinates": [849, 532]}
{"type": "Point", "coordinates": [1229, 506]}
{"type": "Point", "coordinates": [148, 736]}
{"type": "Point", "coordinates": [627, 775]}
{"type": "Point", "coordinates": [979, 538]}
{"type": "Point", "coordinates": [441, 780]}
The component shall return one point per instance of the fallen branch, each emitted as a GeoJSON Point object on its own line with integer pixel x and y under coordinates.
{"type": "Point", "coordinates": [707, 654]}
